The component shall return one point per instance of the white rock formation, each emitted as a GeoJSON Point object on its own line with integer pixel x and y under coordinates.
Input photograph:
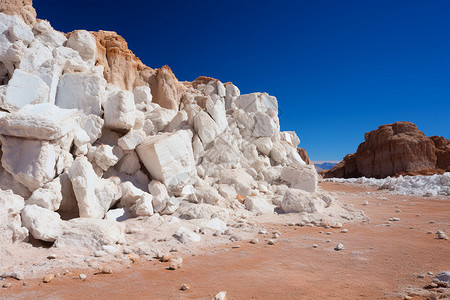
{"type": "Point", "coordinates": [11, 206]}
{"type": "Point", "coordinates": [23, 89]}
{"type": "Point", "coordinates": [169, 157]}
{"type": "Point", "coordinates": [42, 223]}
{"type": "Point", "coordinates": [81, 91]}
{"type": "Point", "coordinates": [40, 121]}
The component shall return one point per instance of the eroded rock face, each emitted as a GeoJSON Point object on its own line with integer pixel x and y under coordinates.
{"type": "Point", "coordinates": [392, 149]}
{"type": "Point", "coordinates": [88, 132]}
{"type": "Point", "coordinates": [21, 8]}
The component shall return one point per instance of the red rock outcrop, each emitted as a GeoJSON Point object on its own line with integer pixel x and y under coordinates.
{"type": "Point", "coordinates": [392, 149]}
{"type": "Point", "coordinates": [21, 8]}
{"type": "Point", "coordinates": [304, 155]}
{"type": "Point", "coordinates": [126, 70]}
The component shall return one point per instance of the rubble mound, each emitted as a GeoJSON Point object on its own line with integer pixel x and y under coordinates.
{"type": "Point", "coordinates": [395, 149]}
{"type": "Point", "coordinates": [96, 146]}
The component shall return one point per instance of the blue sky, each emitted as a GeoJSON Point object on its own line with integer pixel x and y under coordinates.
{"type": "Point", "coordinates": [338, 68]}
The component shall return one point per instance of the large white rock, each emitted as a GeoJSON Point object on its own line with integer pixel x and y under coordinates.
{"type": "Point", "coordinates": [43, 121]}
{"type": "Point", "coordinates": [290, 137]}
{"type": "Point", "coordinates": [91, 233]}
{"type": "Point", "coordinates": [84, 181]}
{"type": "Point", "coordinates": [35, 56]}
{"type": "Point", "coordinates": [107, 156]}
{"type": "Point", "coordinates": [129, 163]}
{"type": "Point", "coordinates": [92, 125]}
{"type": "Point", "coordinates": [298, 201]}
{"type": "Point", "coordinates": [42, 223]}
{"type": "Point", "coordinates": [160, 117]}
{"type": "Point", "coordinates": [264, 145]}
{"type": "Point", "coordinates": [217, 111]}
{"type": "Point", "coordinates": [240, 180]}
{"type": "Point", "coordinates": [232, 92]}
{"type": "Point", "coordinates": [258, 205]}
{"type": "Point", "coordinates": [83, 42]}
{"type": "Point", "coordinates": [257, 102]}
{"type": "Point", "coordinates": [10, 224]}
{"type": "Point", "coordinates": [21, 32]}
{"type": "Point", "coordinates": [30, 162]}
{"type": "Point", "coordinates": [303, 177]}
{"type": "Point", "coordinates": [132, 139]}
{"type": "Point", "coordinates": [24, 88]}
{"type": "Point", "coordinates": [169, 158]}
{"type": "Point", "coordinates": [120, 110]}
{"type": "Point", "coordinates": [49, 196]}
{"type": "Point", "coordinates": [264, 125]}
{"type": "Point", "coordinates": [142, 97]}
{"type": "Point", "coordinates": [206, 128]}
{"type": "Point", "coordinates": [160, 195]}
{"type": "Point", "coordinates": [81, 91]}
{"type": "Point", "coordinates": [44, 32]}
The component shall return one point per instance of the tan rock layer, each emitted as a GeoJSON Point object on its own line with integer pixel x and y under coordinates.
{"type": "Point", "coordinates": [22, 8]}
{"type": "Point", "coordinates": [393, 149]}
{"type": "Point", "coordinates": [304, 155]}
{"type": "Point", "coordinates": [126, 70]}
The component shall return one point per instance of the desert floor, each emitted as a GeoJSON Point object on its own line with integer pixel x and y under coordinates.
{"type": "Point", "coordinates": [381, 260]}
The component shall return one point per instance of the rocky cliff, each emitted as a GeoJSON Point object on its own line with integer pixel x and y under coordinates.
{"type": "Point", "coordinates": [392, 149]}
{"type": "Point", "coordinates": [92, 138]}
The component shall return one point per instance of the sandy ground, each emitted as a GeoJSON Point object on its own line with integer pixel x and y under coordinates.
{"type": "Point", "coordinates": [381, 260]}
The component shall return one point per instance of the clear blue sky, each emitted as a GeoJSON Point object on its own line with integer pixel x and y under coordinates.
{"type": "Point", "coordinates": [338, 68]}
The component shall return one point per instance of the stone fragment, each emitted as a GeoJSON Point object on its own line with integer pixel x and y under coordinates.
{"type": "Point", "coordinates": [257, 102]}
{"type": "Point", "coordinates": [24, 88]}
{"type": "Point", "coordinates": [120, 111]}
{"type": "Point", "coordinates": [264, 145]}
{"type": "Point", "coordinates": [87, 186]}
{"type": "Point", "coordinates": [339, 247]}
{"type": "Point", "coordinates": [142, 97]}
{"type": "Point", "coordinates": [257, 205]}
{"type": "Point", "coordinates": [302, 177]}
{"type": "Point", "coordinates": [185, 287]}
{"type": "Point", "coordinates": [91, 233]}
{"type": "Point", "coordinates": [40, 121]}
{"type": "Point", "coordinates": [206, 128]}
{"type": "Point", "coordinates": [297, 201]}
{"type": "Point", "coordinates": [48, 278]}
{"type": "Point", "coordinates": [186, 236]}
{"type": "Point", "coordinates": [42, 223]}
{"type": "Point", "coordinates": [83, 42]}
{"type": "Point", "coordinates": [160, 118]}
{"type": "Point", "coordinates": [129, 163]}
{"type": "Point", "coordinates": [16, 274]}
{"type": "Point", "coordinates": [30, 162]}
{"type": "Point", "coordinates": [48, 196]}
{"type": "Point", "coordinates": [10, 223]}
{"type": "Point", "coordinates": [107, 156]}
{"type": "Point", "coordinates": [264, 125]}
{"type": "Point", "coordinates": [160, 195]}
{"type": "Point", "coordinates": [131, 140]}
{"type": "Point", "coordinates": [81, 91]}
{"type": "Point", "coordinates": [176, 263]}
{"type": "Point", "coordinates": [169, 158]}
{"type": "Point", "coordinates": [240, 180]}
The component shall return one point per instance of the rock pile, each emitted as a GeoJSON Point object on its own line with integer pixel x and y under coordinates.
{"type": "Point", "coordinates": [91, 137]}
{"type": "Point", "coordinates": [392, 149]}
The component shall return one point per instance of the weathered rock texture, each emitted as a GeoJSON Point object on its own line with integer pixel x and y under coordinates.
{"type": "Point", "coordinates": [21, 8]}
{"type": "Point", "coordinates": [91, 137]}
{"type": "Point", "coordinates": [393, 149]}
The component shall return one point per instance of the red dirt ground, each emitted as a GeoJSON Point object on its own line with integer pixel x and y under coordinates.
{"type": "Point", "coordinates": [378, 262]}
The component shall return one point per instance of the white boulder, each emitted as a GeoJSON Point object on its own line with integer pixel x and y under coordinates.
{"type": "Point", "coordinates": [120, 110]}
{"type": "Point", "coordinates": [298, 201]}
{"type": "Point", "coordinates": [240, 180]}
{"type": "Point", "coordinates": [10, 223]}
{"type": "Point", "coordinates": [132, 139]}
{"type": "Point", "coordinates": [49, 196]}
{"type": "Point", "coordinates": [169, 158]}
{"type": "Point", "coordinates": [30, 162]}
{"type": "Point", "coordinates": [81, 91]}
{"type": "Point", "coordinates": [42, 223]}
{"type": "Point", "coordinates": [91, 233]}
{"type": "Point", "coordinates": [83, 42]}
{"type": "Point", "coordinates": [43, 121]}
{"type": "Point", "coordinates": [257, 102]}
{"type": "Point", "coordinates": [303, 177]}
{"type": "Point", "coordinates": [24, 88]}
{"type": "Point", "coordinates": [258, 205]}
{"type": "Point", "coordinates": [186, 236]}
{"type": "Point", "coordinates": [206, 128]}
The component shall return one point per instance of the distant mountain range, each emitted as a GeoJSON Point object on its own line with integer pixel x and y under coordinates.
{"type": "Point", "coordinates": [324, 166]}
